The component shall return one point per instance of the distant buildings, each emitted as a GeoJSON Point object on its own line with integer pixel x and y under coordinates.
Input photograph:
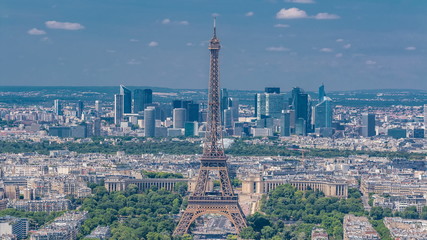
{"type": "Point", "coordinates": [300, 103]}
{"type": "Point", "coordinates": [79, 109]}
{"type": "Point", "coordinates": [57, 107]}
{"type": "Point", "coordinates": [118, 108]}
{"type": "Point", "coordinates": [127, 99]}
{"type": "Point", "coordinates": [150, 122]}
{"type": "Point", "coordinates": [425, 120]}
{"type": "Point", "coordinates": [141, 97]}
{"type": "Point", "coordinates": [368, 125]}
{"type": "Point", "coordinates": [270, 103]}
{"type": "Point", "coordinates": [179, 117]}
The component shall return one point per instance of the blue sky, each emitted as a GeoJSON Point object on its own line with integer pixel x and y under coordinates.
{"type": "Point", "coordinates": [345, 44]}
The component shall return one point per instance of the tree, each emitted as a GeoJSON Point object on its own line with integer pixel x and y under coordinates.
{"type": "Point", "coordinates": [249, 233]}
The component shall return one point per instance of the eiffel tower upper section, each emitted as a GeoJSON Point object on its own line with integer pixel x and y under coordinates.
{"type": "Point", "coordinates": [213, 148]}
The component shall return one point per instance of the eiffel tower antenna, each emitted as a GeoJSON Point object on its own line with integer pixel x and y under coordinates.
{"type": "Point", "coordinates": [201, 202]}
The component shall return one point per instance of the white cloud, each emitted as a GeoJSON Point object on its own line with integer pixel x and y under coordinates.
{"type": "Point", "coordinates": [153, 44]}
{"type": "Point", "coordinates": [35, 31]}
{"type": "Point", "coordinates": [295, 13]}
{"type": "Point", "coordinates": [411, 48]}
{"type": "Point", "coordinates": [326, 50]}
{"type": "Point", "coordinates": [249, 14]}
{"type": "Point", "coordinates": [133, 40]}
{"type": "Point", "coordinates": [189, 44]}
{"type": "Point", "coordinates": [370, 62]}
{"type": "Point", "coordinates": [133, 62]}
{"type": "Point", "coordinates": [291, 13]}
{"type": "Point", "coordinates": [347, 46]}
{"type": "Point", "coordinates": [168, 21]}
{"type": "Point", "coordinates": [340, 40]}
{"type": "Point", "coordinates": [279, 25]}
{"type": "Point", "coordinates": [64, 25]}
{"type": "Point", "coordinates": [326, 16]}
{"type": "Point", "coordinates": [277, 49]}
{"type": "Point", "coordinates": [300, 1]}
{"type": "Point", "coordinates": [338, 55]}
{"type": "Point", "coordinates": [45, 39]}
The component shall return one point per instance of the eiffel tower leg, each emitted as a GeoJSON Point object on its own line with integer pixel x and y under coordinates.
{"type": "Point", "coordinates": [202, 181]}
{"type": "Point", "coordinates": [184, 223]}
{"type": "Point", "coordinates": [226, 188]}
{"type": "Point", "coordinates": [238, 218]}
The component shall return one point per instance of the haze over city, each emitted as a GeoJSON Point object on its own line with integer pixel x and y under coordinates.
{"type": "Point", "coordinates": [344, 44]}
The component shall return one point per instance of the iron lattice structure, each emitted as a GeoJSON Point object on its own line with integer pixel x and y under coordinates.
{"type": "Point", "coordinates": [200, 201]}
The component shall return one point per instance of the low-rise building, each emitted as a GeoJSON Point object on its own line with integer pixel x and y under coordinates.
{"type": "Point", "coordinates": [358, 228]}
{"type": "Point", "coordinates": [406, 229]}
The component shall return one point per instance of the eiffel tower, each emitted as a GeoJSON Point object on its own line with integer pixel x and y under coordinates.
{"type": "Point", "coordinates": [200, 201]}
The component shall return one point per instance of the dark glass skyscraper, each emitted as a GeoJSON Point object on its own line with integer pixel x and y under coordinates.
{"type": "Point", "coordinates": [141, 98]}
{"type": "Point", "coordinates": [127, 99]}
{"type": "Point", "coordinates": [368, 125]}
{"type": "Point", "coordinates": [193, 112]}
{"type": "Point", "coordinates": [79, 110]}
{"type": "Point", "coordinates": [323, 113]}
{"type": "Point", "coordinates": [321, 92]}
{"type": "Point", "coordinates": [301, 105]}
{"type": "Point", "coordinates": [272, 90]}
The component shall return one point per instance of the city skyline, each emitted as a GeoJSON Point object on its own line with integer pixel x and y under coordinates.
{"type": "Point", "coordinates": [352, 45]}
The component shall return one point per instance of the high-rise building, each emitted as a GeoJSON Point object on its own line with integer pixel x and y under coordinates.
{"type": "Point", "coordinates": [224, 99]}
{"type": "Point", "coordinates": [97, 127]}
{"type": "Point", "coordinates": [127, 99]}
{"type": "Point", "coordinates": [97, 106]}
{"type": "Point", "coordinates": [272, 90]}
{"type": "Point", "coordinates": [193, 112]}
{"type": "Point", "coordinates": [179, 117]}
{"type": "Point", "coordinates": [323, 113]}
{"type": "Point", "coordinates": [321, 92]}
{"type": "Point", "coordinates": [300, 127]}
{"type": "Point", "coordinates": [150, 122]}
{"type": "Point", "coordinates": [234, 105]}
{"type": "Point", "coordinates": [118, 109]}
{"type": "Point", "coordinates": [80, 107]}
{"type": "Point", "coordinates": [368, 125]}
{"type": "Point", "coordinates": [141, 98]}
{"type": "Point", "coordinates": [301, 105]}
{"type": "Point", "coordinates": [191, 129]}
{"type": "Point", "coordinates": [228, 118]}
{"type": "Point", "coordinates": [285, 128]}
{"type": "Point", "coordinates": [270, 104]}
{"type": "Point", "coordinates": [57, 107]}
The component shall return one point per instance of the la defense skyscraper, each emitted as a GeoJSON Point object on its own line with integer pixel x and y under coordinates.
{"type": "Point", "coordinates": [225, 201]}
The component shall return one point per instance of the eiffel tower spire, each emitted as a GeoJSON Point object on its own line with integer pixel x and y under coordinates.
{"type": "Point", "coordinates": [201, 202]}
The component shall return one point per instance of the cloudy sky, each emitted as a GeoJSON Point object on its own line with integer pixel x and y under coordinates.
{"type": "Point", "coordinates": [352, 44]}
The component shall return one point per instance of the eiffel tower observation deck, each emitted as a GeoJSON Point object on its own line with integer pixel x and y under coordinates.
{"type": "Point", "coordinates": [224, 202]}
